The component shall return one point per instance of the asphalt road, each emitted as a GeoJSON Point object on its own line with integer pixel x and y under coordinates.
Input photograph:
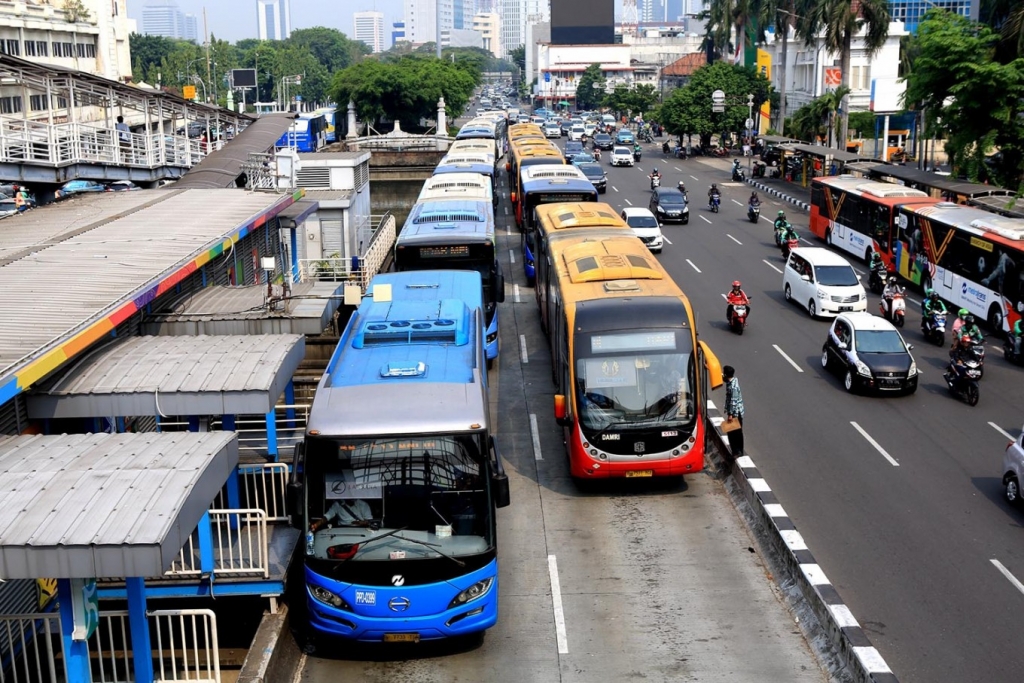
{"type": "Point", "coordinates": [648, 582]}
{"type": "Point", "coordinates": [922, 548]}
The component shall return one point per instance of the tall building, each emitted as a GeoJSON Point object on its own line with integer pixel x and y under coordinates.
{"type": "Point", "coordinates": [462, 13]}
{"type": "Point", "coordinates": [421, 19]}
{"type": "Point", "coordinates": [273, 19]}
{"type": "Point", "coordinates": [488, 25]}
{"type": "Point", "coordinates": [516, 14]}
{"type": "Point", "coordinates": [164, 18]}
{"type": "Point", "coordinates": [369, 29]}
{"type": "Point", "coordinates": [583, 22]}
{"type": "Point", "coordinates": [910, 12]}
{"type": "Point", "coordinates": [398, 32]}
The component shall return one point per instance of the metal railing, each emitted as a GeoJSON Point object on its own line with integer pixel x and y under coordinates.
{"type": "Point", "coordinates": [342, 270]}
{"type": "Point", "coordinates": [240, 546]}
{"type": "Point", "coordinates": [261, 487]}
{"type": "Point", "coordinates": [28, 650]}
{"type": "Point", "coordinates": [64, 144]}
{"type": "Point", "coordinates": [252, 429]}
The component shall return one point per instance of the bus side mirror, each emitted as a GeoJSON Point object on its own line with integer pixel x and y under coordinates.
{"type": "Point", "coordinates": [499, 480]}
{"type": "Point", "coordinates": [293, 491]}
{"type": "Point", "coordinates": [512, 197]}
{"type": "Point", "coordinates": [560, 408]}
{"type": "Point", "coordinates": [499, 283]}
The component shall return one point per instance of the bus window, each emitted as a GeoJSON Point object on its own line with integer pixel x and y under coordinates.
{"type": "Point", "coordinates": [880, 219]}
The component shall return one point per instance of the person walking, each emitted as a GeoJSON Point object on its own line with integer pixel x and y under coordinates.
{"type": "Point", "coordinates": [734, 409]}
{"type": "Point", "coordinates": [124, 138]}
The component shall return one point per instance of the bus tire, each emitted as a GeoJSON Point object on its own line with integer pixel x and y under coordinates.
{"type": "Point", "coordinates": [995, 318]}
{"type": "Point", "coordinates": [828, 238]}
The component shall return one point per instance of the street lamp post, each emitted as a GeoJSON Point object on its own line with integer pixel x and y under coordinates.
{"type": "Point", "coordinates": [750, 134]}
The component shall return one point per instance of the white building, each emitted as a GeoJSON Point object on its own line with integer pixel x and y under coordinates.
{"type": "Point", "coordinates": [421, 19]}
{"type": "Point", "coordinates": [164, 18]}
{"type": "Point", "coordinates": [806, 66]}
{"type": "Point", "coordinates": [515, 16]}
{"type": "Point", "coordinates": [369, 29]}
{"type": "Point", "coordinates": [273, 19]}
{"type": "Point", "coordinates": [560, 67]}
{"type": "Point", "coordinates": [488, 25]}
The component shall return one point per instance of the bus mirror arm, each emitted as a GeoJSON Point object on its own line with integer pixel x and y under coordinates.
{"type": "Point", "coordinates": [293, 491]}
{"type": "Point", "coordinates": [499, 480]}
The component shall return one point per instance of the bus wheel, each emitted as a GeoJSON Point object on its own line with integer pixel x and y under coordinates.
{"type": "Point", "coordinates": [995, 318]}
{"type": "Point", "coordinates": [828, 238]}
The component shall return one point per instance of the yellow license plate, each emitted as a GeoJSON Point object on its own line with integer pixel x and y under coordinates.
{"type": "Point", "coordinates": [639, 473]}
{"type": "Point", "coordinates": [401, 637]}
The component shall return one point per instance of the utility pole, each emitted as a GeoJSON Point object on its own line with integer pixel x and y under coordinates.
{"type": "Point", "coordinates": [206, 36]}
{"type": "Point", "coordinates": [437, 27]}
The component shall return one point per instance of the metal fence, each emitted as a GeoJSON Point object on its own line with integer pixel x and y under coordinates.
{"type": "Point", "coordinates": [240, 546]}
{"type": "Point", "coordinates": [343, 270]}
{"type": "Point", "coordinates": [28, 649]}
{"type": "Point", "coordinates": [262, 487]}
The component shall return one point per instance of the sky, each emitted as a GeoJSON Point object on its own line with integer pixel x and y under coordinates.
{"type": "Point", "coordinates": [233, 20]}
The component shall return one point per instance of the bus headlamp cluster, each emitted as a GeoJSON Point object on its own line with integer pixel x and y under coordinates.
{"type": "Point", "coordinates": [477, 590]}
{"type": "Point", "coordinates": [328, 598]}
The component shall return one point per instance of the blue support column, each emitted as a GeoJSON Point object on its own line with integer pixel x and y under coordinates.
{"type": "Point", "coordinates": [227, 423]}
{"type": "Point", "coordinates": [138, 623]}
{"type": "Point", "coordinates": [295, 255]}
{"type": "Point", "coordinates": [193, 423]}
{"type": "Point", "coordinates": [289, 398]}
{"type": "Point", "coordinates": [119, 424]}
{"type": "Point", "coordinates": [272, 434]}
{"type": "Point", "coordinates": [234, 496]}
{"type": "Point", "coordinates": [76, 652]}
{"type": "Point", "coordinates": [205, 544]}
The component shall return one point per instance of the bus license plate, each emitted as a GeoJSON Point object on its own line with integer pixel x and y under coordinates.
{"type": "Point", "coordinates": [639, 473]}
{"type": "Point", "coordinates": [401, 637]}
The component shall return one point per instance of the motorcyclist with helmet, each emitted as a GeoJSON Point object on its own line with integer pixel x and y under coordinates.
{"type": "Point", "coordinates": [736, 297]}
{"type": "Point", "coordinates": [780, 220]}
{"type": "Point", "coordinates": [1016, 335]}
{"type": "Point", "coordinates": [714, 192]}
{"type": "Point", "coordinates": [958, 355]}
{"type": "Point", "coordinates": [932, 303]}
{"type": "Point", "coordinates": [655, 174]}
{"type": "Point", "coordinates": [968, 330]}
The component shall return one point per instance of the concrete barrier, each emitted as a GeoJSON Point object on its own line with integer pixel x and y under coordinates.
{"type": "Point", "coordinates": [796, 567]}
{"type": "Point", "coordinates": [274, 655]}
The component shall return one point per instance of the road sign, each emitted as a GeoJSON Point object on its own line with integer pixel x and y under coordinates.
{"type": "Point", "coordinates": [833, 77]}
{"type": "Point", "coordinates": [749, 123]}
{"type": "Point", "coordinates": [188, 92]}
{"type": "Point", "coordinates": [547, 76]}
{"type": "Point", "coordinates": [718, 97]}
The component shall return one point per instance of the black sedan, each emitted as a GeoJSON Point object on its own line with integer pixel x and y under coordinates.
{"type": "Point", "coordinates": [595, 174]}
{"type": "Point", "coordinates": [870, 354]}
{"type": "Point", "coordinates": [603, 141]}
{"type": "Point", "coordinates": [669, 204]}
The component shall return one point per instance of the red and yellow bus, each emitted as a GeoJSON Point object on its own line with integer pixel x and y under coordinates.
{"type": "Point", "coordinates": [854, 214]}
{"type": "Point", "coordinates": [632, 380]}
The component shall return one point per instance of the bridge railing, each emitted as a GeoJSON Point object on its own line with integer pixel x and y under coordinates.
{"type": "Point", "coordinates": [369, 264]}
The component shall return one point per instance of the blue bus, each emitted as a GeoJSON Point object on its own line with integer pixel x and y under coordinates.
{"type": "Point", "coordinates": [329, 113]}
{"type": "Point", "coordinates": [457, 235]}
{"type": "Point", "coordinates": [397, 481]}
{"type": "Point", "coordinates": [308, 133]}
{"type": "Point", "coordinates": [550, 184]}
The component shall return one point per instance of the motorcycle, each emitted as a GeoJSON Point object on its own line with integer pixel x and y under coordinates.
{"type": "Point", "coordinates": [714, 203]}
{"type": "Point", "coordinates": [877, 278]}
{"type": "Point", "coordinates": [655, 181]}
{"type": "Point", "coordinates": [962, 380]}
{"type": "Point", "coordinates": [789, 243]}
{"type": "Point", "coordinates": [636, 155]}
{"type": "Point", "coordinates": [933, 326]}
{"type": "Point", "coordinates": [664, 147]}
{"type": "Point", "coordinates": [737, 173]}
{"type": "Point", "coordinates": [780, 231]}
{"type": "Point", "coordinates": [647, 138]}
{"type": "Point", "coordinates": [895, 309]}
{"type": "Point", "coordinates": [753, 212]}
{"type": "Point", "coordinates": [759, 169]}
{"type": "Point", "coordinates": [736, 314]}
{"type": "Point", "coordinates": [1009, 353]}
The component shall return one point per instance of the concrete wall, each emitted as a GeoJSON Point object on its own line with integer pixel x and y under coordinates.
{"type": "Point", "coordinates": [396, 179]}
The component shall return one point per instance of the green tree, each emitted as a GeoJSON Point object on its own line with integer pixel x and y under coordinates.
{"type": "Point", "coordinates": [971, 98]}
{"type": "Point", "coordinates": [779, 13]}
{"type": "Point", "coordinates": [329, 46]}
{"type": "Point", "coordinates": [590, 88]}
{"type": "Point", "coordinates": [687, 111]}
{"type": "Point", "coordinates": [643, 98]}
{"type": "Point", "coordinates": [518, 57]}
{"type": "Point", "coordinates": [841, 20]}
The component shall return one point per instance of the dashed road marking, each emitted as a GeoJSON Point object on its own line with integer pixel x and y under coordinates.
{"type": "Point", "coordinates": [692, 265]}
{"type": "Point", "coordinates": [772, 266]}
{"type": "Point", "coordinates": [1002, 431]}
{"type": "Point", "coordinates": [535, 436]}
{"type": "Point", "coordinates": [615, 188]}
{"type": "Point", "coordinates": [790, 360]}
{"type": "Point", "coordinates": [705, 220]}
{"type": "Point", "coordinates": [627, 201]}
{"type": "Point", "coordinates": [556, 605]}
{"type": "Point", "coordinates": [734, 239]}
{"type": "Point", "coordinates": [736, 202]}
{"type": "Point", "coordinates": [695, 177]}
{"type": "Point", "coordinates": [875, 444]}
{"type": "Point", "coordinates": [667, 240]}
{"type": "Point", "coordinates": [1006, 572]}
{"type": "Point", "coordinates": [515, 293]}
{"type": "Point", "coordinates": [523, 357]}
{"type": "Point", "coordinates": [512, 255]}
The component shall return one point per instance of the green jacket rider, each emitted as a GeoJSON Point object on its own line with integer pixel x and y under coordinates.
{"type": "Point", "coordinates": [932, 303]}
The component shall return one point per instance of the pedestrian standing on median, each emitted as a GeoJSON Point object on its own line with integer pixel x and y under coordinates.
{"type": "Point", "coordinates": [734, 409]}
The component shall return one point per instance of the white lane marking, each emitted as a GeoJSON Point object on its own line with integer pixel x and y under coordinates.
{"type": "Point", "coordinates": [875, 444]}
{"type": "Point", "coordinates": [805, 241]}
{"type": "Point", "coordinates": [641, 170]}
{"type": "Point", "coordinates": [627, 201]}
{"type": "Point", "coordinates": [515, 293]}
{"type": "Point", "coordinates": [736, 202]}
{"type": "Point", "coordinates": [506, 210]}
{"type": "Point", "coordinates": [791, 361]}
{"type": "Point", "coordinates": [859, 271]}
{"type": "Point", "coordinates": [705, 220]}
{"type": "Point", "coordinates": [512, 255]}
{"type": "Point", "coordinates": [556, 605]}
{"type": "Point", "coordinates": [734, 239]}
{"type": "Point", "coordinates": [768, 219]}
{"type": "Point", "coordinates": [667, 240]}
{"type": "Point", "coordinates": [523, 357]}
{"type": "Point", "coordinates": [711, 405]}
{"type": "Point", "coordinates": [914, 300]}
{"type": "Point", "coordinates": [693, 266]}
{"type": "Point", "coordinates": [695, 177]}
{"type": "Point", "coordinates": [1002, 431]}
{"type": "Point", "coordinates": [1006, 572]}
{"type": "Point", "coordinates": [772, 266]}
{"type": "Point", "coordinates": [535, 436]}
{"type": "Point", "coordinates": [615, 188]}
{"type": "Point", "coordinates": [678, 169]}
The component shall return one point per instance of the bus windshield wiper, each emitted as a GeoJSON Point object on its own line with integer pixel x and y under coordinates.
{"type": "Point", "coordinates": [350, 550]}
{"type": "Point", "coordinates": [433, 546]}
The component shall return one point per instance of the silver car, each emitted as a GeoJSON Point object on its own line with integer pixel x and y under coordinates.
{"type": "Point", "coordinates": [1013, 470]}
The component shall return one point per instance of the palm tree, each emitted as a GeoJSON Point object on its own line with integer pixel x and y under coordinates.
{"type": "Point", "coordinates": [1013, 31]}
{"type": "Point", "coordinates": [780, 14]}
{"type": "Point", "coordinates": [725, 16]}
{"type": "Point", "coordinates": [841, 20]}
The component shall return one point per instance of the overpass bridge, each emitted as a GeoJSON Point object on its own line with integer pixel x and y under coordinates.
{"type": "Point", "coordinates": [62, 127]}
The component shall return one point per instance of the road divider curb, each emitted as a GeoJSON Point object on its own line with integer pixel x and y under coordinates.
{"type": "Point", "coordinates": [775, 193]}
{"type": "Point", "coordinates": [845, 635]}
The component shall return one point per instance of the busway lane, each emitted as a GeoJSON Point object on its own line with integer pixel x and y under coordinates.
{"type": "Point", "coordinates": [853, 517]}
{"type": "Point", "coordinates": [655, 582]}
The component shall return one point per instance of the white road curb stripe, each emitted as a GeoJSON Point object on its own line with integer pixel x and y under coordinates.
{"type": "Point", "coordinates": [556, 606]}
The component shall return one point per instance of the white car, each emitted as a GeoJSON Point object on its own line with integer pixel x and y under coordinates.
{"type": "Point", "coordinates": [645, 226]}
{"type": "Point", "coordinates": [552, 130]}
{"type": "Point", "coordinates": [576, 132]}
{"type": "Point", "coordinates": [622, 156]}
{"type": "Point", "coordinates": [1013, 471]}
{"type": "Point", "coordinates": [823, 282]}
{"type": "Point", "coordinates": [590, 129]}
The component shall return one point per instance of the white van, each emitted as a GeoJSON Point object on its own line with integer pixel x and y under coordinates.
{"type": "Point", "coordinates": [823, 282]}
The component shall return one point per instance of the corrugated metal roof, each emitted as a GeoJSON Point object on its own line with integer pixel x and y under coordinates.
{"type": "Point", "coordinates": [221, 168]}
{"type": "Point", "coordinates": [239, 310]}
{"type": "Point", "coordinates": [323, 156]}
{"type": "Point", "coordinates": [26, 232]}
{"type": "Point", "coordinates": [117, 505]}
{"type": "Point", "coordinates": [229, 375]}
{"type": "Point", "coordinates": [328, 195]}
{"type": "Point", "coordinates": [56, 291]}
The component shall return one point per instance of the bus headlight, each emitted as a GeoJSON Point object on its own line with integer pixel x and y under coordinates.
{"type": "Point", "coordinates": [328, 598]}
{"type": "Point", "coordinates": [477, 590]}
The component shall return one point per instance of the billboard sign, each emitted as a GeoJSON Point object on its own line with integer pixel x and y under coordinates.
{"type": "Point", "coordinates": [243, 78]}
